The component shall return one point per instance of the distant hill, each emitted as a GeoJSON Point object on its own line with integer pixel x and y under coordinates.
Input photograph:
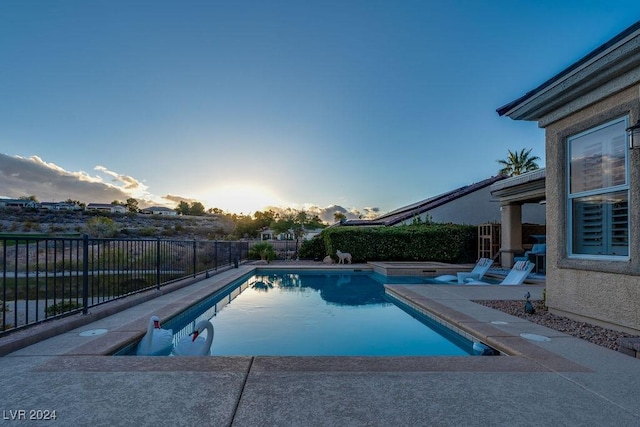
{"type": "Point", "coordinates": [209, 227]}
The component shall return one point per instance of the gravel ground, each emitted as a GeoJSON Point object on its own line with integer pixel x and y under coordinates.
{"type": "Point", "coordinates": [595, 334]}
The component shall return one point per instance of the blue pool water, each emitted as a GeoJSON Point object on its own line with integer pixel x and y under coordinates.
{"type": "Point", "coordinates": [316, 314]}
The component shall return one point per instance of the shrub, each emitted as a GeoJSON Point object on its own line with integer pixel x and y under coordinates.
{"type": "Point", "coordinates": [132, 285]}
{"type": "Point", "coordinates": [263, 251]}
{"type": "Point", "coordinates": [61, 307]}
{"type": "Point", "coordinates": [100, 226]}
{"type": "Point", "coordinates": [148, 231]}
{"type": "Point", "coordinates": [168, 232]}
{"type": "Point", "coordinates": [56, 229]}
{"type": "Point", "coordinates": [31, 226]}
{"type": "Point", "coordinates": [313, 249]}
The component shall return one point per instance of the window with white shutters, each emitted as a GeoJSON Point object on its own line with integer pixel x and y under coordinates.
{"type": "Point", "coordinates": [599, 192]}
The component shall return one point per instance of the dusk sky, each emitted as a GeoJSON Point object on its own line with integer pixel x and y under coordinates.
{"type": "Point", "coordinates": [366, 105]}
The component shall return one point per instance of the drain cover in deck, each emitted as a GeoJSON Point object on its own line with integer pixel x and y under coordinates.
{"type": "Point", "coordinates": [534, 337]}
{"type": "Point", "coordinates": [93, 332]}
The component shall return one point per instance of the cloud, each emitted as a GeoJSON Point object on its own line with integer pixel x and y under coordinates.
{"type": "Point", "coordinates": [327, 214]}
{"type": "Point", "coordinates": [129, 182]}
{"type": "Point", "coordinates": [21, 176]}
{"type": "Point", "coordinates": [178, 199]}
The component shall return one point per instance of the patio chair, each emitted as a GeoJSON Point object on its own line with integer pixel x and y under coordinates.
{"type": "Point", "coordinates": [516, 276]}
{"type": "Point", "coordinates": [481, 267]}
{"type": "Point", "coordinates": [537, 249]}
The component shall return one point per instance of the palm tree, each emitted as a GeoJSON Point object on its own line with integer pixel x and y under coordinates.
{"type": "Point", "coordinates": [518, 163]}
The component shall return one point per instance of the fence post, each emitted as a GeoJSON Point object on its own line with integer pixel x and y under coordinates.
{"type": "Point", "coordinates": [194, 258]}
{"type": "Point", "coordinates": [158, 264]}
{"type": "Point", "coordinates": [85, 274]}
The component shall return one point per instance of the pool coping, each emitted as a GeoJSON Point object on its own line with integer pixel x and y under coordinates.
{"type": "Point", "coordinates": [507, 343]}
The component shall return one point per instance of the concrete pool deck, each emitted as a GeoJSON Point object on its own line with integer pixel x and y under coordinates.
{"type": "Point", "coordinates": [563, 381]}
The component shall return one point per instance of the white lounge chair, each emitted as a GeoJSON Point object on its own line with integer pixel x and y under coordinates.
{"type": "Point", "coordinates": [516, 276]}
{"type": "Point", "coordinates": [481, 267]}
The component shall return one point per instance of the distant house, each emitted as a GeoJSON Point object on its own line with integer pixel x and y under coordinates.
{"type": "Point", "coordinates": [59, 206]}
{"type": "Point", "coordinates": [589, 111]}
{"type": "Point", "coordinates": [471, 205]}
{"type": "Point", "coordinates": [106, 208]}
{"type": "Point", "coordinates": [18, 203]}
{"type": "Point", "coordinates": [269, 234]}
{"type": "Point", "coordinates": [159, 210]}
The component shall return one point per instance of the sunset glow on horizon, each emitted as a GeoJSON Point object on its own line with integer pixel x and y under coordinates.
{"type": "Point", "coordinates": [241, 198]}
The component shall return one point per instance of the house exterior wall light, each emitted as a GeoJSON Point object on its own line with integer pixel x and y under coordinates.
{"type": "Point", "coordinates": [634, 135]}
{"type": "Point", "coordinates": [634, 131]}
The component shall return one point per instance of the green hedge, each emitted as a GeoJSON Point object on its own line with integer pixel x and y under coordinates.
{"type": "Point", "coordinates": [313, 249]}
{"type": "Point", "coordinates": [433, 242]}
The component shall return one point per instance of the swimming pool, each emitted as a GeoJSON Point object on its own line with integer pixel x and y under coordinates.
{"type": "Point", "coordinates": [316, 313]}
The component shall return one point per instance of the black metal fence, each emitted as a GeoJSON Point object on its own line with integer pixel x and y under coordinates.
{"type": "Point", "coordinates": [284, 249]}
{"type": "Point", "coordinates": [48, 277]}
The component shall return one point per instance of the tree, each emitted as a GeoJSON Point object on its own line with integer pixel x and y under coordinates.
{"type": "Point", "coordinates": [245, 226]}
{"type": "Point", "coordinates": [75, 202]}
{"type": "Point", "coordinates": [518, 163]}
{"type": "Point", "coordinates": [215, 211]}
{"type": "Point", "coordinates": [32, 198]}
{"type": "Point", "coordinates": [339, 216]}
{"type": "Point", "coordinates": [196, 209]}
{"type": "Point", "coordinates": [282, 225]}
{"type": "Point", "coordinates": [297, 223]}
{"type": "Point", "coordinates": [183, 208]}
{"type": "Point", "coordinates": [264, 219]}
{"type": "Point", "coordinates": [131, 205]}
{"type": "Point", "coordinates": [314, 223]}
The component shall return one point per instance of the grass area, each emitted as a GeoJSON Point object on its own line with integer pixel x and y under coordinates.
{"type": "Point", "coordinates": [99, 286]}
{"type": "Point", "coordinates": [12, 239]}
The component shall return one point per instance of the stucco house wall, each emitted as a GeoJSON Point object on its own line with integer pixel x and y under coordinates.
{"type": "Point", "coordinates": [159, 210]}
{"type": "Point", "coordinates": [106, 207]}
{"type": "Point", "coordinates": [477, 208]}
{"type": "Point", "coordinates": [604, 292]}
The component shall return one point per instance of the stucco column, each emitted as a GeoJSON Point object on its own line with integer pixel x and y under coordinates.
{"type": "Point", "coordinates": [511, 233]}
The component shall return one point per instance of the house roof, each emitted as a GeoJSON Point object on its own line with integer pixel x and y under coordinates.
{"type": "Point", "coordinates": [159, 208]}
{"type": "Point", "coordinates": [17, 201]}
{"type": "Point", "coordinates": [527, 187]}
{"type": "Point", "coordinates": [407, 212]}
{"type": "Point", "coordinates": [599, 66]}
{"type": "Point", "coordinates": [102, 205]}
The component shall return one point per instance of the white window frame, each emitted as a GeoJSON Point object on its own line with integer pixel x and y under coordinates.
{"type": "Point", "coordinates": [604, 191]}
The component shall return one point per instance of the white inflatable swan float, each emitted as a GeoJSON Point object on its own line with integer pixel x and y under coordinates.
{"type": "Point", "coordinates": [194, 344]}
{"type": "Point", "coordinates": [157, 341]}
